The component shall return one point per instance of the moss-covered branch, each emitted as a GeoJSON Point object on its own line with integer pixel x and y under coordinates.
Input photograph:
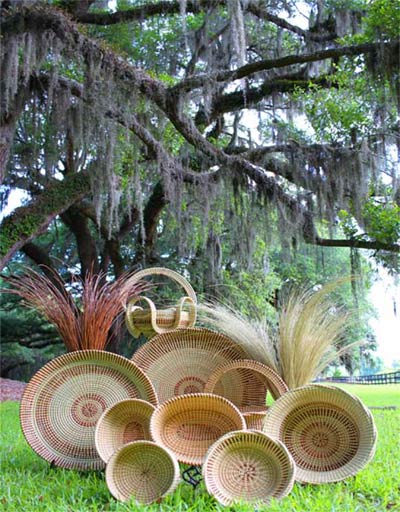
{"type": "Point", "coordinates": [27, 222]}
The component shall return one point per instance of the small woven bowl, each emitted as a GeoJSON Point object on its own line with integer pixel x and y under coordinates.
{"type": "Point", "coordinates": [189, 424]}
{"type": "Point", "coordinates": [142, 470]}
{"type": "Point", "coordinates": [248, 466]}
{"type": "Point", "coordinates": [124, 422]}
{"type": "Point", "coordinates": [329, 432]}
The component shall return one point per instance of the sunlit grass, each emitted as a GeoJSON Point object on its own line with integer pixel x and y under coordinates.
{"type": "Point", "coordinates": [28, 484]}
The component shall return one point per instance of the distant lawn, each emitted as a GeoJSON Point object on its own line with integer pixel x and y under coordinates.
{"type": "Point", "coordinates": [28, 484]}
{"type": "Point", "coordinates": [375, 395]}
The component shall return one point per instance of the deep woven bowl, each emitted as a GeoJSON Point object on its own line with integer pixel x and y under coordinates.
{"type": "Point", "coordinates": [329, 432]}
{"type": "Point", "coordinates": [248, 466]}
{"type": "Point", "coordinates": [64, 400]}
{"type": "Point", "coordinates": [142, 470]}
{"type": "Point", "coordinates": [181, 361]}
{"type": "Point", "coordinates": [189, 424]}
{"type": "Point", "coordinates": [124, 422]}
{"type": "Point", "coordinates": [245, 383]}
{"type": "Point", "coordinates": [254, 417]}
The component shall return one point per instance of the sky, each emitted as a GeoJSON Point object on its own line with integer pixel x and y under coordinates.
{"type": "Point", "coordinates": [385, 296]}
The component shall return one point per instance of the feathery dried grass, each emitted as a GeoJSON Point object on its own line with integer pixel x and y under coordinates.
{"type": "Point", "coordinates": [251, 335]}
{"type": "Point", "coordinates": [311, 328]}
{"type": "Point", "coordinates": [310, 331]}
{"type": "Point", "coordinates": [83, 326]}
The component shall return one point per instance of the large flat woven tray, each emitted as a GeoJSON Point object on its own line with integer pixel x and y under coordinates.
{"type": "Point", "coordinates": [329, 432]}
{"type": "Point", "coordinates": [63, 401]}
{"type": "Point", "coordinates": [181, 361]}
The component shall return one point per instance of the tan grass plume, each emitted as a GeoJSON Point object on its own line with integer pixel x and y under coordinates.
{"type": "Point", "coordinates": [311, 329]}
{"type": "Point", "coordinates": [250, 334]}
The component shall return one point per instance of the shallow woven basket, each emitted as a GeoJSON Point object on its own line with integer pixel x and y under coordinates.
{"type": "Point", "coordinates": [245, 383]}
{"type": "Point", "coordinates": [152, 321]}
{"type": "Point", "coordinates": [142, 470]}
{"type": "Point", "coordinates": [248, 466]}
{"type": "Point", "coordinates": [64, 400]}
{"type": "Point", "coordinates": [189, 424]}
{"type": "Point", "coordinates": [329, 432]}
{"type": "Point", "coordinates": [181, 361]}
{"type": "Point", "coordinates": [124, 422]}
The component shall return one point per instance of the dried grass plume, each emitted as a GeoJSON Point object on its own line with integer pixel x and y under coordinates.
{"type": "Point", "coordinates": [82, 322]}
{"type": "Point", "coordinates": [310, 334]}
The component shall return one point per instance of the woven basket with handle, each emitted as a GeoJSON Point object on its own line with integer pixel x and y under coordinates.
{"type": "Point", "coordinates": [245, 383]}
{"type": "Point", "coordinates": [152, 321]}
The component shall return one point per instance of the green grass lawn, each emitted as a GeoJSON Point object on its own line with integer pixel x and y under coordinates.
{"type": "Point", "coordinates": [28, 484]}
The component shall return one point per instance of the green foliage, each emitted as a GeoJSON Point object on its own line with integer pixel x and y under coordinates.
{"type": "Point", "coordinates": [44, 489]}
{"type": "Point", "coordinates": [337, 112]}
{"type": "Point", "coordinates": [383, 19]}
{"type": "Point", "coordinates": [382, 221]}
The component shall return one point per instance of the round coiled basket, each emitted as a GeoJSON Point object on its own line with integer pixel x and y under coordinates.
{"type": "Point", "coordinates": [124, 422]}
{"type": "Point", "coordinates": [189, 424]}
{"type": "Point", "coordinates": [142, 470]}
{"type": "Point", "coordinates": [329, 432]}
{"type": "Point", "coordinates": [249, 466]}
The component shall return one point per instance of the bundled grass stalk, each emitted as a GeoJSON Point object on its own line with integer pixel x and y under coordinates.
{"type": "Point", "coordinates": [250, 334]}
{"type": "Point", "coordinates": [83, 326]}
{"type": "Point", "coordinates": [311, 328]}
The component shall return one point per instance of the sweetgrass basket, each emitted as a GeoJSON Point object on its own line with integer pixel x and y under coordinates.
{"type": "Point", "coordinates": [189, 424]}
{"type": "Point", "coordinates": [254, 417]}
{"type": "Point", "coordinates": [152, 321]}
{"type": "Point", "coordinates": [245, 383]}
{"type": "Point", "coordinates": [64, 400]}
{"type": "Point", "coordinates": [142, 470]}
{"type": "Point", "coordinates": [248, 466]}
{"type": "Point", "coordinates": [181, 361]}
{"type": "Point", "coordinates": [124, 422]}
{"type": "Point", "coordinates": [329, 432]}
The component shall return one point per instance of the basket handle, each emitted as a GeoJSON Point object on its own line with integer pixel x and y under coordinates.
{"type": "Point", "coordinates": [192, 311]}
{"type": "Point", "coordinates": [131, 308]}
{"type": "Point", "coordinates": [169, 273]}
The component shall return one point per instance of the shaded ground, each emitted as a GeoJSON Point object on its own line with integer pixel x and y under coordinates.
{"type": "Point", "coordinates": [11, 389]}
